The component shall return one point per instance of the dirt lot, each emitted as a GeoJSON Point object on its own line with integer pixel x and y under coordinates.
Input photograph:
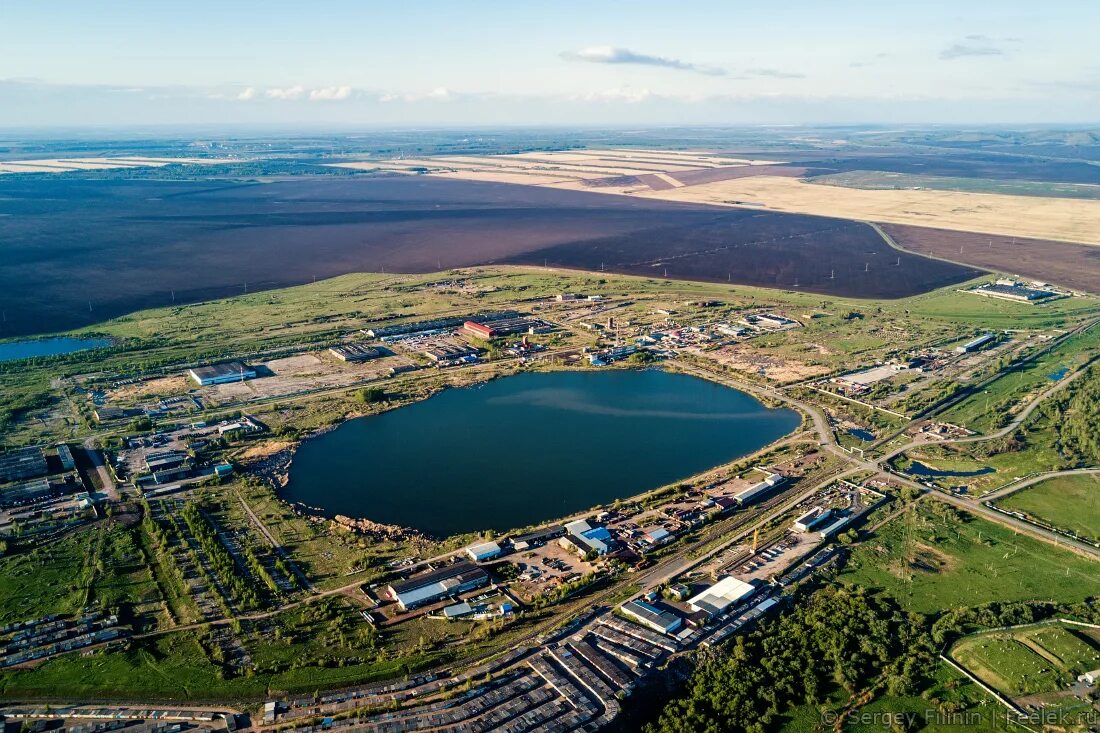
{"type": "Point", "coordinates": [162, 387]}
{"type": "Point", "coordinates": [743, 357]}
{"type": "Point", "coordinates": [299, 373]}
{"type": "Point", "coordinates": [1070, 220]}
{"type": "Point", "coordinates": [546, 576]}
{"type": "Point", "coordinates": [1067, 264]}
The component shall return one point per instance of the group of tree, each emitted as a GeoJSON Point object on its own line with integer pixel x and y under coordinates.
{"type": "Point", "coordinates": [838, 639]}
{"type": "Point", "coordinates": [242, 590]}
{"type": "Point", "coordinates": [1078, 417]}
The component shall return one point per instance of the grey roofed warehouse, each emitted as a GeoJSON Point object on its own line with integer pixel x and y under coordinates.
{"type": "Point", "coordinates": [355, 352]}
{"type": "Point", "coordinates": [230, 371]}
{"type": "Point", "coordinates": [436, 584]}
{"type": "Point", "coordinates": [22, 463]}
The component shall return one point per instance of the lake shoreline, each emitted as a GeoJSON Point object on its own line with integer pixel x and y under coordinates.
{"type": "Point", "coordinates": [356, 460]}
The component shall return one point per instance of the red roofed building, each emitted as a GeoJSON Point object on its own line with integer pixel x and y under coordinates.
{"type": "Point", "coordinates": [479, 330]}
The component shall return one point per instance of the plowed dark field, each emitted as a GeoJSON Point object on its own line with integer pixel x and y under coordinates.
{"type": "Point", "coordinates": [76, 252]}
{"type": "Point", "coordinates": [1062, 263]}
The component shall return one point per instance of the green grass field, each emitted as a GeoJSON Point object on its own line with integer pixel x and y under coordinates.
{"type": "Point", "coordinates": [1037, 456]}
{"type": "Point", "coordinates": [994, 406]}
{"type": "Point", "coordinates": [1026, 661]}
{"type": "Point", "coordinates": [930, 560]}
{"type": "Point", "coordinates": [1074, 652]}
{"type": "Point", "coordinates": [966, 710]}
{"type": "Point", "coordinates": [1071, 503]}
{"type": "Point", "coordinates": [1008, 665]}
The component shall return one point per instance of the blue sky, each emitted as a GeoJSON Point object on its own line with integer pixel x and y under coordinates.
{"type": "Point", "coordinates": [500, 63]}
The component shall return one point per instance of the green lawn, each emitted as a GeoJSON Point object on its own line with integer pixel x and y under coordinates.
{"type": "Point", "coordinates": [1072, 651]}
{"type": "Point", "coordinates": [1027, 661]}
{"type": "Point", "coordinates": [1071, 503]}
{"type": "Point", "coordinates": [1007, 665]}
{"type": "Point", "coordinates": [950, 562]}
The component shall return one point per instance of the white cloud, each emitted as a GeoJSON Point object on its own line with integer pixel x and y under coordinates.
{"type": "Point", "coordinates": [247, 94]}
{"type": "Point", "coordinates": [776, 74]}
{"type": "Point", "coordinates": [610, 55]}
{"type": "Point", "coordinates": [963, 50]}
{"type": "Point", "coordinates": [330, 94]}
{"type": "Point", "coordinates": [439, 94]}
{"type": "Point", "coordinates": [294, 92]}
{"type": "Point", "coordinates": [626, 94]}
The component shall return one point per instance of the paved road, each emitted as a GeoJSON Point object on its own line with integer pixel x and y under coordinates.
{"type": "Point", "coordinates": [968, 393]}
{"type": "Point", "coordinates": [974, 506]}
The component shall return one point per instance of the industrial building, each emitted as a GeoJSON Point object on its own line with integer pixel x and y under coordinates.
{"type": "Point", "coordinates": [231, 371]}
{"type": "Point", "coordinates": [600, 358]}
{"type": "Point", "coordinates": [1012, 290]}
{"type": "Point", "coordinates": [244, 426]}
{"type": "Point", "coordinates": [772, 321]}
{"type": "Point", "coordinates": [504, 327]}
{"type": "Point", "coordinates": [484, 551]}
{"type": "Point", "coordinates": [448, 352]}
{"type": "Point", "coordinates": [747, 496]}
{"type": "Point", "coordinates": [582, 538]}
{"type": "Point", "coordinates": [813, 518]}
{"type": "Point", "coordinates": [663, 622]}
{"type": "Point", "coordinates": [727, 330]}
{"type": "Point", "coordinates": [863, 379]}
{"type": "Point", "coordinates": [976, 344]}
{"type": "Point", "coordinates": [479, 330]}
{"type": "Point", "coordinates": [457, 610]}
{"type": "Point", "coordinates": [838, 524]}
{"type": "Point", "coordinates": [22, 463]}
{"type": "Point", "coordinates": [436, 324]}
{"type": "Point", "coordinates": [435, 584]}
{"type": "Point", "coordinates": [355, 352]}
{"type": "Point", "coordinates": [65, 455]}
{"type": "Point", "coordinates": [656, 535]}
{"type": "Point", "coordinates": [25, 492]}
{"type": "Point", "coordinates": [725, 593]}
{"type": "Point", "coordinates": [537, 538]}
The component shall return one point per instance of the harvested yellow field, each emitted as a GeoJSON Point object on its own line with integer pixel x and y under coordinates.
{"type": "Point", "coordinates": [561, 169]}
{"type": "Point", "coordinates": [1068, 220]}
{"type": "Point", "coordinates": [523, 178]}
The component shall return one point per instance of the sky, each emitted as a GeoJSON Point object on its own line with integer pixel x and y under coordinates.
{"type": "Point", "coordinates": [475, 62]}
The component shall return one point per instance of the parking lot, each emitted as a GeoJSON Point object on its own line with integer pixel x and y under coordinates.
{"type": "Point", "coordinates": [545, 568]}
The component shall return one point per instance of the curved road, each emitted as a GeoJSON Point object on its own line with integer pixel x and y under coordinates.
{"type": "Point", "coordinates": [974, 506]}
{"type": "Point", "coordinates": [1036, 479]}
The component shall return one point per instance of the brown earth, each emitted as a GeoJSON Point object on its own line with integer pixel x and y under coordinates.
{"type": "Point", "coordinates": [1067, 264]}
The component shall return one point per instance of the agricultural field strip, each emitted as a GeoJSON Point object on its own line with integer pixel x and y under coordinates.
{"type": "Point", "coordinates": [64, 165]}
{"type": "Point", "coordinates": [1067, 220]}
{"type": "Point", "coordinates": [880, 180]}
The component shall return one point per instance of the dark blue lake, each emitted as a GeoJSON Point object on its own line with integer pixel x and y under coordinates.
{"type": "Point", "coordinates": [919, 469]}
{"type": "Point", "coordinates": [529, 448]}
{"type": "Point", "coordinates": [13, 350]}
